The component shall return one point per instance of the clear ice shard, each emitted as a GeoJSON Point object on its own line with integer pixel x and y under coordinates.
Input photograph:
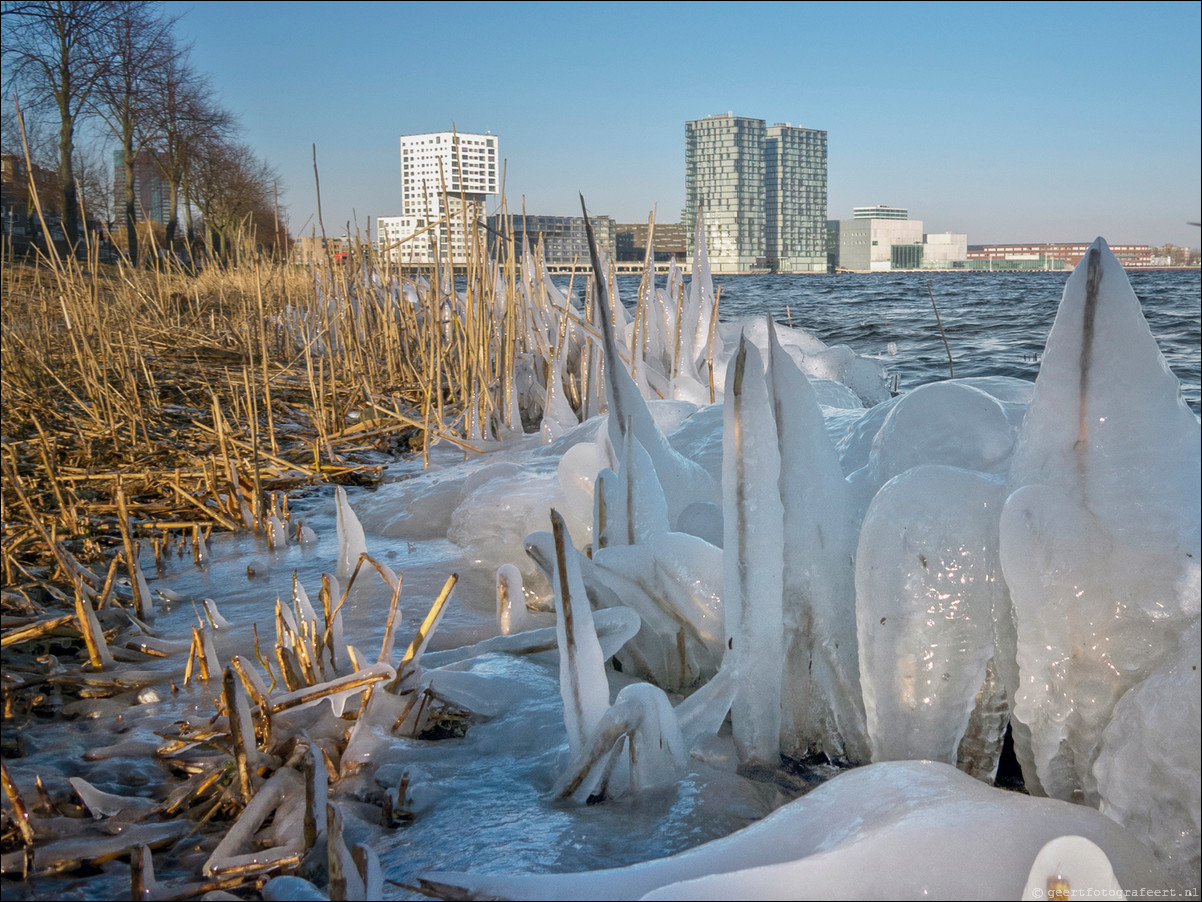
{"type": "Point", "coordinates": [821, 703]}
{"type": "Point", "coordinates": [583, 683]}
{"type": "Point", "coordinates": [637, 745]}
{"type": "Point", "coordinates": [351, 541]}
{"type": "Point", "coordinates": [512, 616]}
{"type": "Point", "coordinates": [928, 593]}
{"type": "Point", "coordinates": [1100, 528]}
{"type": "Point", "coordinates": [683, 481]}
{"type": "Point", "coordinates": [1107, 421]}
{"type": "Point", "coordinates": [753, 559]}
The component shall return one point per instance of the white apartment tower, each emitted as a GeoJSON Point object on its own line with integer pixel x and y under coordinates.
{"type": "Point", "coordinates": [446, 179]}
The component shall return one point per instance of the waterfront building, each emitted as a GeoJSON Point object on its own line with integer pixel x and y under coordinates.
{"type": "Point", "coordinates": [724, 176]}
{"type": "Point", "coordinates": [446, 181]}
{"type": "Point", "coordinates": [880, 211]}
{"type": "Point", "coordinates": [564, 238]}
{"type": "Point", "coordinates": [795, 198]}
{"type": "Point", "coordinates": [871, 244]}
{"type": "Point", "coordinates": [944, 250]}
{"type": "Point", "coordinates": [1051, 256]}
{"type": "Point", "coordinates": [891, 241]}
{"type": "Point", "coordinates": [763, 192]}
{"type": "Point", "coordinates": [670, 240]}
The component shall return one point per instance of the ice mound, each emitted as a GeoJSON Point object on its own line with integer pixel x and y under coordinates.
{"type": "Point", "coordinates": [896, 830]}
{"type": "Point", "coordinates": [928, 594]}
{"type": "Point", "coordinates": [943, 423]}
{"type": "Point", "coordinates": [863, 377]}
{"type": "Point", "coordinates": [1100, 528]}
{"type": "Point", "coordinates": [493, 520]}
{"type": "Point", "coordinates": [1148, 770]}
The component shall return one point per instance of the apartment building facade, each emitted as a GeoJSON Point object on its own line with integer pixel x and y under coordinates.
{"type": "Point", "coordinates": [763, 192]}
{"type": "Point", "coordinates": [446, 181]}
{"type": "Point", "coordinates": [795, 198]}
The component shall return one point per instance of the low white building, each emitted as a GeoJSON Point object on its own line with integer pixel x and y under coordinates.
{"type": "Point", "coordinates": [868, 245]}
{"type": "Point", "coordinates": [941, 250]}
{"type": "Point", "coordinates": [404, 240]}
{"type": "Point", "coordinates": [884, 239]}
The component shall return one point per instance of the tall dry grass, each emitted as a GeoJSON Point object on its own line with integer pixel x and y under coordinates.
{"type": "Point", "coordinates": [173, 400]}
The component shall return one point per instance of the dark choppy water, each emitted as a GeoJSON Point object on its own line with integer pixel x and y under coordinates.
{"type": "Point", "coordinates": [996, 323]}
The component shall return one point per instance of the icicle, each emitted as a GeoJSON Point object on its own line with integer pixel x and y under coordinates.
{"type": "Point", "coordinates": [582, 680]}
{"type": "Point", "coordinates": [316, 796]}
{"type": "Point", "coordinates": [351, 541]}
{"type": "Point", "coordinates": [822, 705]}
{"type": "Point", "coordinates": [372, 874]}
{"type": "Point", "coordinates": [214, 616]}
{"type": "Point", "coordinates": [106, 804]}
{"type": "Point", "coordinates": [227, 855]}
{"type": "Point", "coordinates": [345, 881]}
{"type": "Point", "coordinates": [512, 616]}
{"type": "Point", "coordinates": [277, 536]}
{"type": "Point", "coordinates": [753, 559]}
{"type": "Point", "coordinates": [698, 310]}
{"type": "Point", "coordinates": [642, 720]}
{"type": "Point", "coordinates": [683, 480]}
{"type": "Point", "coordinates": [1101, 524]}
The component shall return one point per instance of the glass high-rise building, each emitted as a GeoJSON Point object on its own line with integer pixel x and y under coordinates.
{"type": "Point", "coordinates": [795, 198]}
{"type": "Point", "coordinates": [724, 176]}
{"type": "Point", "coordinates": [763, 192]}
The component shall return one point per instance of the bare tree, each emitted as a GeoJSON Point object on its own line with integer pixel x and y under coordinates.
{"type": "Point", "coordinates": [128, 95]}
{"type": "Point", "coordinates": [94, 178]}
{"type": "Point", "coordinates": [51, 49]}
{"type": "Point", "coordinates": [235, 192]}
{"type": "Point", "coordinates": [188, 117]}
{"type": "Point", "coordinates": [40, 136]}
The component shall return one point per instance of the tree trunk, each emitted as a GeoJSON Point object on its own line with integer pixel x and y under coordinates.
{"type": "Point", "coordinates": [66, 178]}
{"type": "Point", "coordinates": [131, 219]}
{"type": "Point", "coordinates": [173, 218]}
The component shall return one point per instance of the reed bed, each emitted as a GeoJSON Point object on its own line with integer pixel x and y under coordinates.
{"type": "Point", "coordinates": [147, 408]}
{"type": "Point", "coordinates": [156, 405]}
{"type": "Point", "coordinates": [150, 407]}
{"type": "Point", "coordinates": [172, 401]}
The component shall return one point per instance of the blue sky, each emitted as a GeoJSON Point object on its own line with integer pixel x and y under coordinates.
{"type": "Point", "coordinates": [1008, 121]}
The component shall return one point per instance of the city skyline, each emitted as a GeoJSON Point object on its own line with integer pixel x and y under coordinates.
{"type": "Point", "coordinates": [1010, 122]}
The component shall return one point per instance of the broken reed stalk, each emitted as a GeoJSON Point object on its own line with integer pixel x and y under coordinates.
{"type": "Point", "coordinates": [951, 372]}
{"type": "Point", "coordinates": [422, 637]}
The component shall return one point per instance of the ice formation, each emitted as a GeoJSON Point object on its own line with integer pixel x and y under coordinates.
{"type": "Point", "coordinates": [893, 830]}
{"type": "Point", "coordinates": [822, 710]}
{"type": "Point", "coordinates": [582, 680]}
{"type": "Point", "coordinates": [1148, 771]}
{"type": "Point", "coordinates": [1101, 527]}
{"type": "Point", "coordinates": [351, 539]}
{"type": "Point", "coordinates": [753, 559]}
{"type": "Point", "coordinates": [876, 583]}
{"type": "Point", "coordinates": [957, 496]}
{"type": "Point", "coordinates": [929, 595]}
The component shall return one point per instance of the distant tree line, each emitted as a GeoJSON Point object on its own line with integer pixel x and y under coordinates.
{"type": "Point", "coordinates": [114, 72]}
